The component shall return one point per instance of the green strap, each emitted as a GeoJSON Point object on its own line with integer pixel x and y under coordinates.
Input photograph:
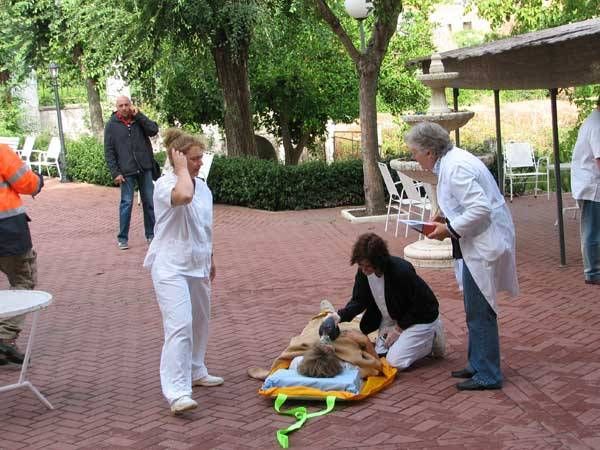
{"type": "Point", "coordinates": [300, 413]}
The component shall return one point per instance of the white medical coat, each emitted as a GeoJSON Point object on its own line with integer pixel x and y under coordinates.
{"type": "Point", "coordinates": [469, 198]}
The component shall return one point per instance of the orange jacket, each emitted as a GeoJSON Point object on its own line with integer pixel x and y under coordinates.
{"type": "Point", "coordinates": [15, 178]}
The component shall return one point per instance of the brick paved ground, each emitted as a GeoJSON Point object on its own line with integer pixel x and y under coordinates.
{"type": "Point", "coordinates": [98, 347]}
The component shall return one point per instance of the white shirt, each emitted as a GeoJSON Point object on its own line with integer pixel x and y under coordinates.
{"type": "Point", "coordinates": [585, 174]}
{"type": "Point", "coordinates": [182, 234]}
{"type": "Point", "coordinates": [377, 285]}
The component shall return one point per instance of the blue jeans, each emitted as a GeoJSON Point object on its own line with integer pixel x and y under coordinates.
{"type": "Point", "coordinates": [146, 187]}
{"type": "Point", "coordinates": [590, 239]}
{"type": "Point", "coordinates": [484, 342]}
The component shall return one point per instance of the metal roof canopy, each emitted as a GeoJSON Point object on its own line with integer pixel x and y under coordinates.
{"type": "Point", "coordinates": [559, 57]}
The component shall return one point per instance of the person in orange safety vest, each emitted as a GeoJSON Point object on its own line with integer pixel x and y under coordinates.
{"type": "Point", "coordinates": [17, 256]}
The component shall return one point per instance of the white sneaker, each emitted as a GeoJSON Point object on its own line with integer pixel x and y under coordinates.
{"type": "Point", "coordinates": [208, 380]}
{"type": "Point", "coordinates": [183, 404]}
{"type": "Point", "coordinates": [438, 349]}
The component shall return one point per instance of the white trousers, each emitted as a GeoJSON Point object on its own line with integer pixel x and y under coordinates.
{"type": "Point", "coordinates": [413, 344]}
{"type": "Point", "coordinates": [185, 306]}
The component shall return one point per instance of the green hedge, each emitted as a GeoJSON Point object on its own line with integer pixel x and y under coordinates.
{"type": "Point", "coordinates": [245, 181]}
{"type": "Point", "coordinates": [86, 163]}
{"type": "Point", "coordinates": [267, 185]}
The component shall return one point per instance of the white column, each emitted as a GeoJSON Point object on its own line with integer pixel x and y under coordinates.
{"type": "Point", "coordinates": [330, 142]}
{"type": "Point", "coordinates": [27, 93]}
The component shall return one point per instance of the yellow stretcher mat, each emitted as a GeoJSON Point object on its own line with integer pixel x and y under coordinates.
{"type": "Point", "coordinates": [370, 386]}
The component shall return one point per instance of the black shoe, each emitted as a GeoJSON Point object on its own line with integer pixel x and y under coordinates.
{"type": "Point", "coordinates": [11, 353]}
{"type": "Point", "coordinates": [462, 373]}
{"type": "Point", "coordinates": [471, 385]}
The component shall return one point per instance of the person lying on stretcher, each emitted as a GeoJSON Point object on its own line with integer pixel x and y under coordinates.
{"type": "Point", "coordinates": [317, 356]}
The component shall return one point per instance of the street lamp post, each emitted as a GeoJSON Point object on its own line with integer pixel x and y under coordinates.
{"type": "Point", "coordinates": [359, 9]}
{"type": "Point", "coordinates": [61, 159]}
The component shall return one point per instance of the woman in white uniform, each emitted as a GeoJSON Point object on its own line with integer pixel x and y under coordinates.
{"type": "Point", "coordinates": [478, 220]}
{"type": "Point", "coordinates": [181, 262]}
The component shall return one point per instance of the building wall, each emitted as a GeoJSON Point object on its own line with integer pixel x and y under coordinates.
{"type": "Point", "coordinates": [73, 121]}
{"type": "Point", "coordinates": [452, 17]}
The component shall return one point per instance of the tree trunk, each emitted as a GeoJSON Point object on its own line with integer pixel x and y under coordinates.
{"type": "Point", "coordinates": [368, 63]}
{"type": "Point", "coordinates": [373, 184]}
{"type": "Point", "coordinates": [96, 121]}
{"type": "Point", "coordinates": [232, 72]}
{"type": "Point", "coordinates": [292, 154]}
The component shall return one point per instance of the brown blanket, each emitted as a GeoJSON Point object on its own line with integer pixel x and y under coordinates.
{"type": "Point", "coordinates": [350, 346]}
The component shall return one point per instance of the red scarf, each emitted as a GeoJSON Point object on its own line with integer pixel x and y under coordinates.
{"type": "Point", "coordinates": [127, 122]}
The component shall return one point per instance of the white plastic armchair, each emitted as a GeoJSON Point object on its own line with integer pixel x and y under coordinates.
{"type": "Point", "coordinates": [396, 198]}
{"type": "Point", "coordinates": [12, 142]}
{"type": "Point", "coordinates": [417, 203]}
{"type": "Point", "coordinates": [207, 159]}
{"type": "Point", "coordinates": [27, 150]}
{"type": "Point", "coordinates": [49, 158]}
{"type": "Point", "coordinates": [520, 164]}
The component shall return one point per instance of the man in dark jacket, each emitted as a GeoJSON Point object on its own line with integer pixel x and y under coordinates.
{"type": "Point", "coordinates": [128, 154]}
{"type": "Point", "coordinates": [395, 301]}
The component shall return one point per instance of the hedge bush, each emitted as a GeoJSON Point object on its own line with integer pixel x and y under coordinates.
{"type": "Point", "coordinates": [245, 181]}
{"type": "Point", "coordinates": [86, 163]}
{"type": "Point", "coordinates": [268, 185]}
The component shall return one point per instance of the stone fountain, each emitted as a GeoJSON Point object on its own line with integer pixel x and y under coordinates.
{"type": "Point", "coordinates": [428, 252]}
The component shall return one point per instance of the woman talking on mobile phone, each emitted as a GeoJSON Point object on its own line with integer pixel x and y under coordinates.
{"type": "Point", "coordinates": [181, 262]}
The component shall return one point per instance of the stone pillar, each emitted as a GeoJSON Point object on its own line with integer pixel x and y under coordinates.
{"type": "Point", "coordinates": [27, 93]}
{"type": "Point", "coordinates": [330, 141]}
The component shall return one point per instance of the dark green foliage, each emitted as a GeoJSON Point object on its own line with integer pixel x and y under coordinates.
{"type": "Point", "coordinates": [86, 163]}
{"type": "Point", "coordinates": [245, 181]}
{"type": "Point", "coordinates": [10, 114]}
{"type": "Point", "coordinates": [267, 185]}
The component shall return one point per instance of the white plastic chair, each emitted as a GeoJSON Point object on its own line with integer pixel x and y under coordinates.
{"type": "Point", "coordinates": [12, 142]}
{"type": "Point", "coordinates": [574, 208]}
{"type": "Point", "coordinates": [49, 158]}
{"type": "Point", "coordinates": [396, 198]}
{"type": "Point", "coordinates": [207, 159]}
{"type": "Point", "coordinates": [520, 155]}
{"type": "Point", "coordinates": [417, 203]}
{"type": "Point", "coordinates": [27, 150]}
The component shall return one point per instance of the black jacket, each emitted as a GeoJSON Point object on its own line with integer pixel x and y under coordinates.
{"type": "Point", "coordinates": [127, 149]}
{"type": "Point", "coordinates": [408, 298]}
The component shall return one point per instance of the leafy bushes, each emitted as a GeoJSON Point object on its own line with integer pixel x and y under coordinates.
{"type": "Point", "coordinates": [267, 185]}
{"type": "Point", "coordinates": [86, 163]}
{"type": "Point", "coordinates": [245, 181]}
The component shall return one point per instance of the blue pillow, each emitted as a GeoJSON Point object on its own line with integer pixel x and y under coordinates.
{"type": "Point", "coordinates": [348, 380]}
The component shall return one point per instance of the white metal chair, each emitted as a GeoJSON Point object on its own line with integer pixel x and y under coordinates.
{"type": "Point", "coordinates": [417, 203]}
{"type": "Point", "coordinates": [520, 163]}
{"type": "Point", "coordinates": [12, 142]}
{"type": "Point", "coordinates": [27, 150]}
{"type": "Point", "coordinates": [207, 159]}
{"type": "Point", "coordinates": [574, 208]}
{"type": "Point", "coordinates": [49, 158]}
{"type": "Point", "coordinates": [395, 196]}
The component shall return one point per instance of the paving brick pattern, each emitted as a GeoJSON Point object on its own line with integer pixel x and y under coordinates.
{"type": "Point", "coordinates": [98, 346]}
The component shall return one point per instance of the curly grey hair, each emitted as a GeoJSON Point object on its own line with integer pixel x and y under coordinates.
{"type": "Point", "coordinates": [429, 136]}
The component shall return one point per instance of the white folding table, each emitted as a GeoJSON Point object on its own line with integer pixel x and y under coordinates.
{"type": "Point", "coordinates": [14, 303]}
